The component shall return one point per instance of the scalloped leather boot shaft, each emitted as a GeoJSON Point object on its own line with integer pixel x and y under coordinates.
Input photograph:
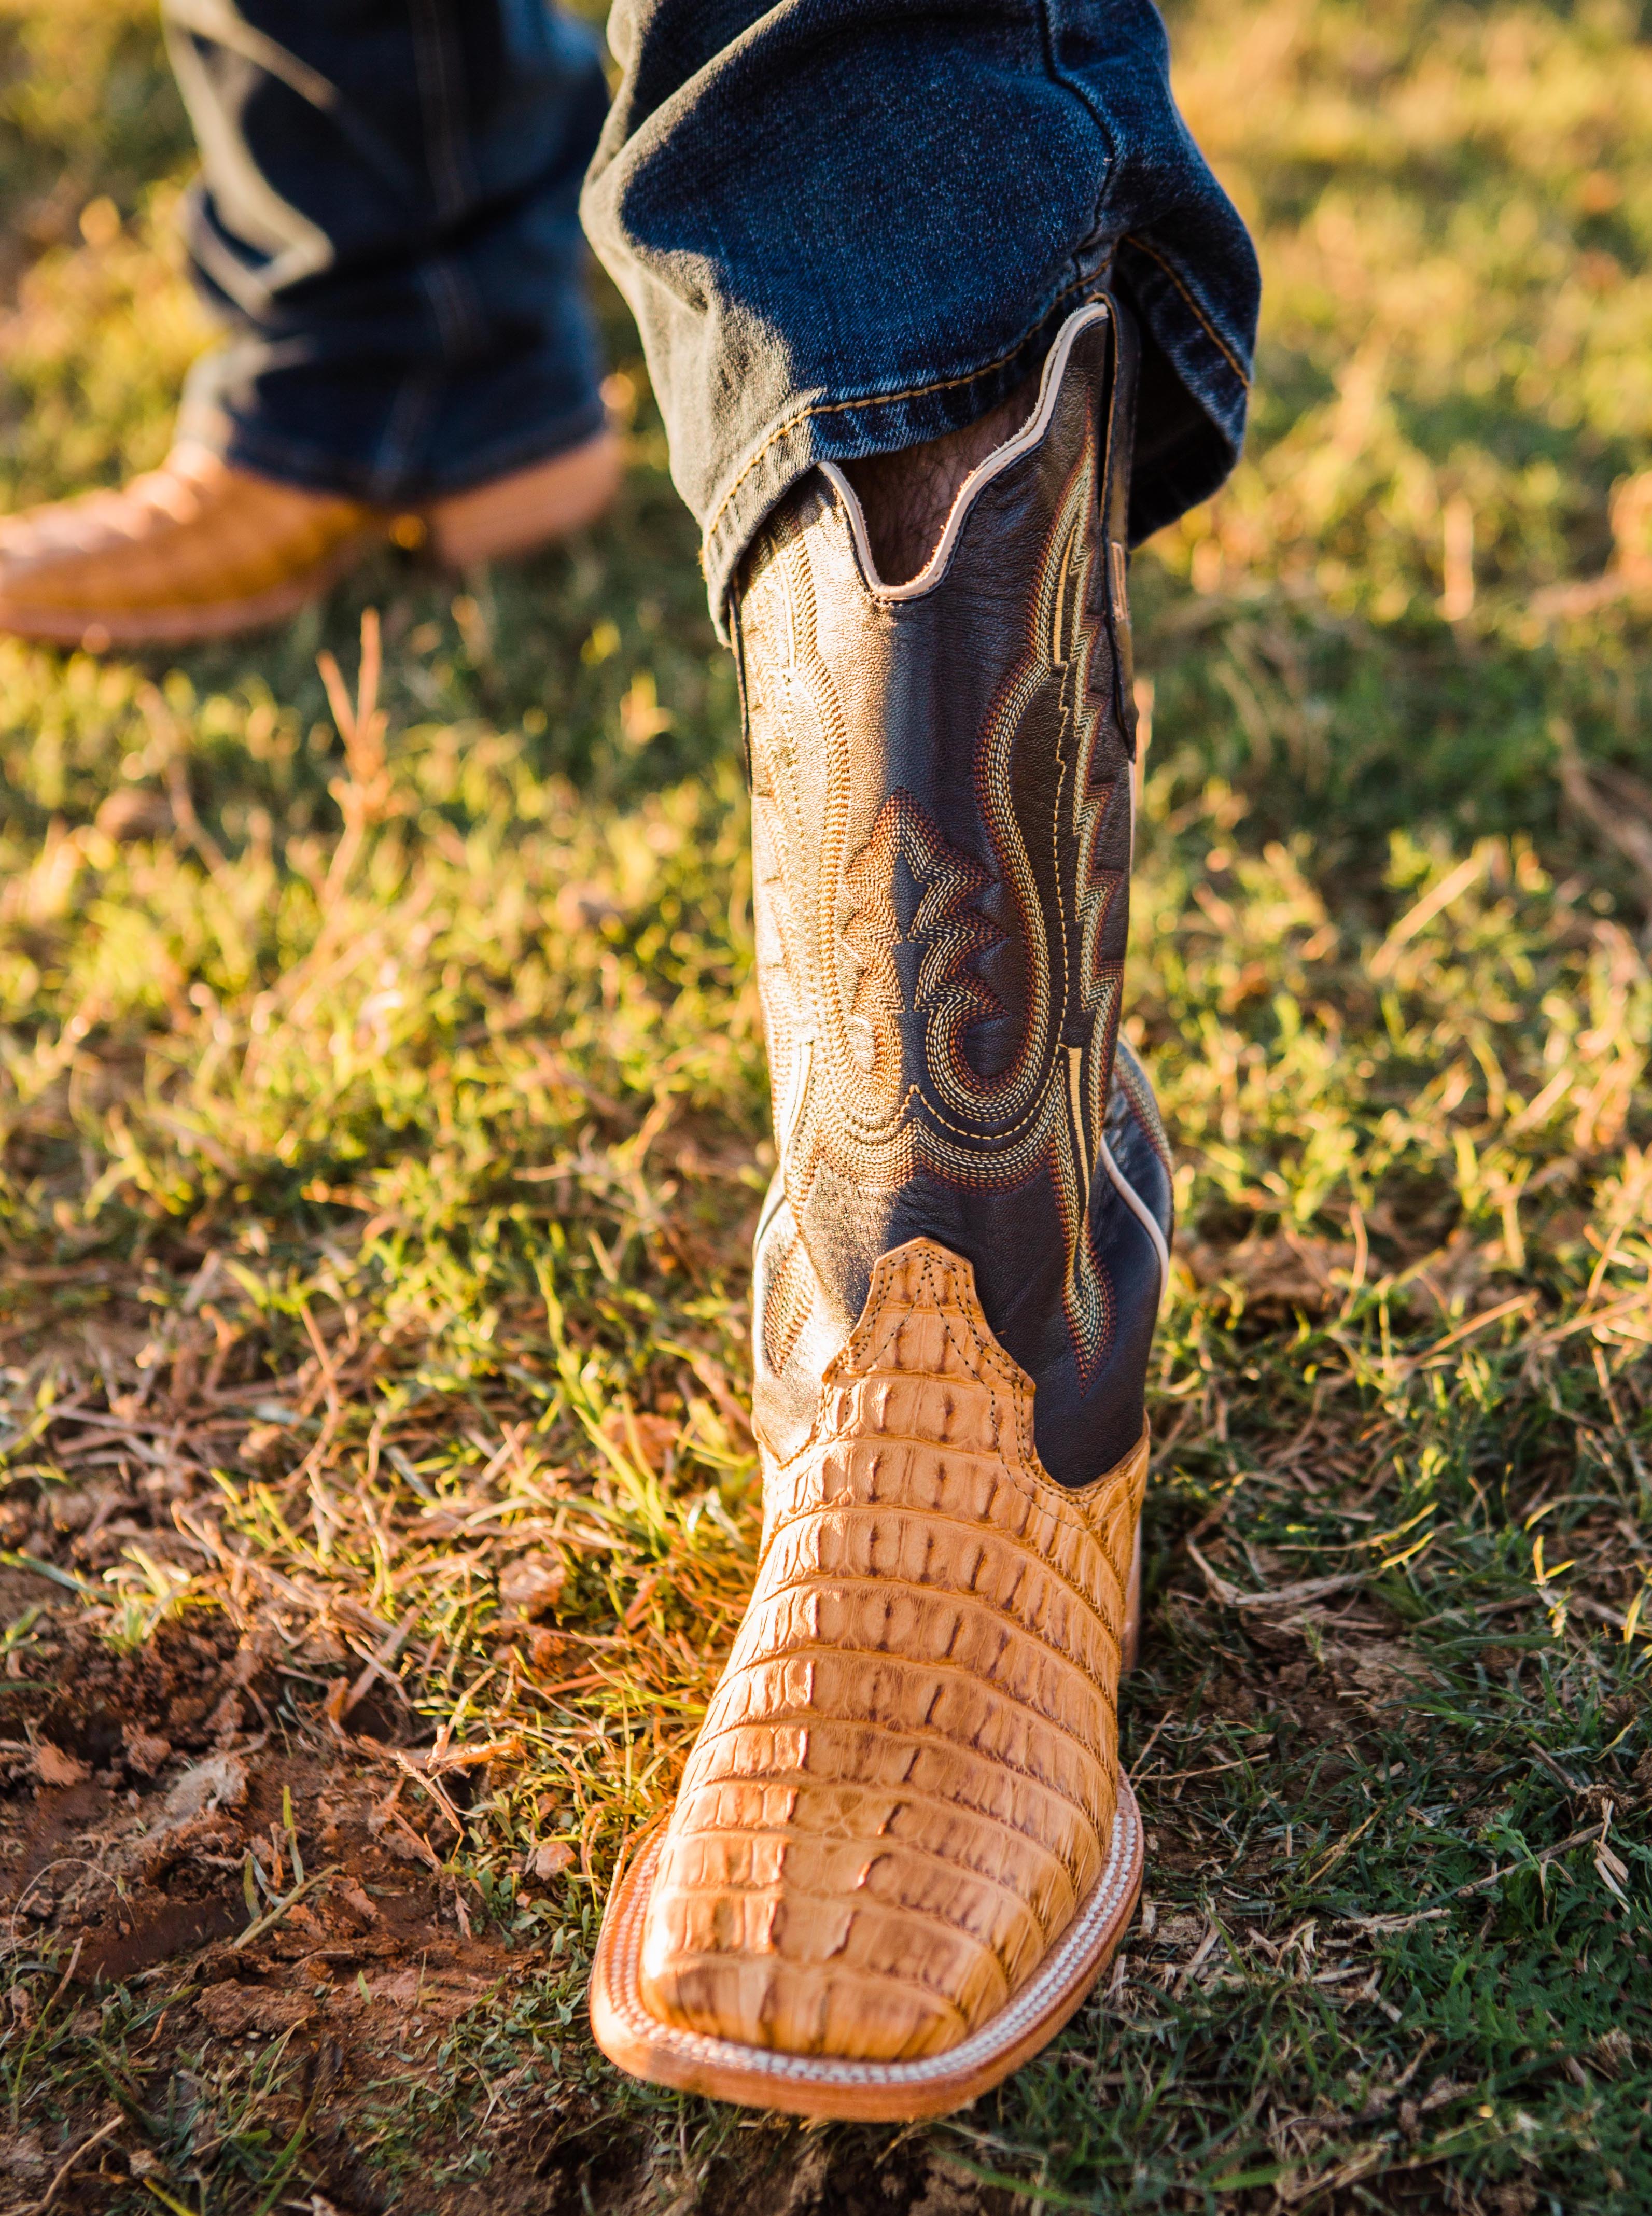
{"type": "Point", "coordinates": [906, 1782]}
{"type": "Point", "coordinates": [942, 835]}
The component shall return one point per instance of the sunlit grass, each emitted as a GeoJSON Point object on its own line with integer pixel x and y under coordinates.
{"type": "Point", "coordinates": [383, 1119]}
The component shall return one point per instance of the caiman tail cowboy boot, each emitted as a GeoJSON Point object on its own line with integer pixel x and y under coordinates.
{"type": "Point", "coordinates": [904, 1847]}
{"type": "Point", "coordinates": [199, 549]}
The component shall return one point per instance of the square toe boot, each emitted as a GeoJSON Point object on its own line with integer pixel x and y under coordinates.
{"type": "Point", "coordinates": [904, 1847]}
{"type": "Point", "coordinates": [195, 550]}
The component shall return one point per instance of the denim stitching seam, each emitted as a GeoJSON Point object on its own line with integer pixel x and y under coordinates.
{"type": "Point", "coordinates": [1050, 41]}
{"type": "Point", "coordinates": [1208, 326]}
{"type": "Point", "coordinates": [889, 399]}
{"type": "Point", "coordinates": [431, 62]}
{"type": "Point", "coordinates": [409, 419]}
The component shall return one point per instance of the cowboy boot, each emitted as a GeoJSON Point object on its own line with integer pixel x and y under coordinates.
{"type": "Point", "coordinates": [199, 549]}
{"type": "Point", "coordinates": [904, 1847]}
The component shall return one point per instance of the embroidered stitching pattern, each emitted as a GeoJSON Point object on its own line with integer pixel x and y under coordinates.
{"type": "Point", "coordinates": [889, 1086]}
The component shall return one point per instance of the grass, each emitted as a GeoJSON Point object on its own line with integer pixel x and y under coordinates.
{"type": "Point", "coordinates": [383, 1121]}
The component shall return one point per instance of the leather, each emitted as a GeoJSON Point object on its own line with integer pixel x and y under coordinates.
{"type": "Point", "coordinates": [942, 832]}
{"type": "Point", "coordinates": [907, 1779]}
{"type": "Point", "coordinates": [907, 1776]}
{"type": "Point", "coordinates": [199, 549]}
{"type": "Point", "coordinates": [530, 507]}
{"type": "Point", "coordinates": [168, 554]}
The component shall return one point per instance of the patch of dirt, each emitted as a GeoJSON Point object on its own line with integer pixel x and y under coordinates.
{"type": "Point", "coordinates": [857, 2173]}
{"type": "Point", "coordinates": [184, 1687]}
{"type": "Point", "coordinates": [769, 2169]}
{"type": "Point", "coordinates": [141, 1866]}
{"type": "Point", "coordinates": [21, 1589]}
{"type": "Point", "coordinates": [138, 1869]}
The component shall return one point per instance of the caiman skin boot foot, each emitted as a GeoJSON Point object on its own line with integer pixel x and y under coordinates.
{"type": "Point", "coordinates": [193, 550]}
{"type": "Point", "coordinates": [904, 1847]}
{"type": "Point", "coordinates": [199, 549]}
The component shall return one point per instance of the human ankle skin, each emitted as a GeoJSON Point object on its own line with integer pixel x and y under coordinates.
{"type": "Point", "coordinates": [907, 496]}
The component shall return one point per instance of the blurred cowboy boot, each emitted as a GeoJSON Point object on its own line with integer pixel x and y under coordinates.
{"type": "Point", "coordinates": [904, 1847]}
{"type": "Point", "coordinates": [519, 514]}
{"type": "Point", "coordinates": [199, 549]}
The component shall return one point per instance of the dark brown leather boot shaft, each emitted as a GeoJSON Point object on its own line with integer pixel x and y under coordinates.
{"type": "Point", "coordinates": [942, 800]}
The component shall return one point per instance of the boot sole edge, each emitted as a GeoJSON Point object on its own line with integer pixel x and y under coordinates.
{"type": "Point", "coordinates": [869, 2092]}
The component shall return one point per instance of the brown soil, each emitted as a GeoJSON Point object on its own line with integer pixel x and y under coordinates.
{"type": "Point", "coordinates": [139, 1866]}
{"type": "Point", "coordinates": [178, 1757]}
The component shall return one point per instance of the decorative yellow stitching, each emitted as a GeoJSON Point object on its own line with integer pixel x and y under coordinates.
{"type": "Point", "coordinates": [863, 1124]}
{"type": "Point", "coordinates": [1210, 329]}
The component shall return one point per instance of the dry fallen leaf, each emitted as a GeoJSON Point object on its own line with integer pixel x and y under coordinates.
{"type": "Point", "coordinates": [532, 1585]}
{"type": "Point", "coordinates": [348, 1895]}
{"type": "Point", "coordinates": [132, 813]}
{"type": "Point", "coordinates": [1277, 1274]}
{"type": "Point", "coordinates": [437, 1993]}
{"type": "Point", "coordinates": [264, 1442]}
{"type": "Point", "coordinates": [220, 1782]}
{"type": "Point", "coordinates": [54, 1767]}
{"type": "Point", "coordinates": [646, 1438]}
{"type": "Point", "coordinates": [550, 1859]}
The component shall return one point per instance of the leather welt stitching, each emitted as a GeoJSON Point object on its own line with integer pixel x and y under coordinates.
{"type": "Point", "coordinates": [1027, 2003]}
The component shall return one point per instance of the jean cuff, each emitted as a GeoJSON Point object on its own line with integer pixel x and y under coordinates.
{"type": "Point", "coordinates": [267, 452]}
{"type": "Point", "coordinates": [827, 428]}
{"type": "Point", "coordinates": [831, 429]}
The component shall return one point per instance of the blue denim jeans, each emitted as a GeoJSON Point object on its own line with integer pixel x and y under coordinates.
{"type": "Point", "coordinates": [388, 220]}
{"type": "Point", "coordinates": [844, 226]}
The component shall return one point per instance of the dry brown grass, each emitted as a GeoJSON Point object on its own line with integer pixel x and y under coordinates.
{"type": "Point", "coordinates": [382, 1122]}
